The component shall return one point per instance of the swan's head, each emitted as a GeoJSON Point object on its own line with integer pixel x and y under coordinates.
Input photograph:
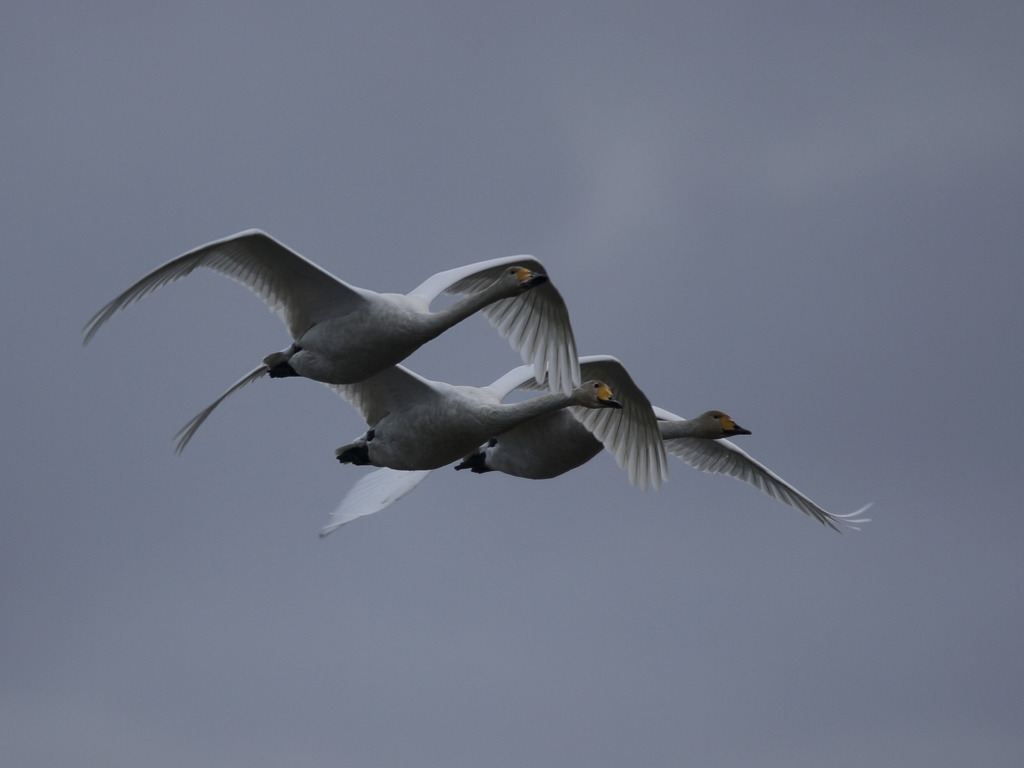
{"type": "Point", "coordinates": [722, 425]}
{"type": "Point", "coordinates": [521, 278]}
{"type": "Point", "coordinates": [596, 394]}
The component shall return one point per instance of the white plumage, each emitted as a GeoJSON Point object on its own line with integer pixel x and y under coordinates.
{"type": "Point", "coordinates": [344, 334]}
{"type": "Point", "coordinates": [353, 339]}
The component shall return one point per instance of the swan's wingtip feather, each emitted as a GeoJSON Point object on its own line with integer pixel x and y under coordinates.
{"type": "Point", "coordinates": [329, 529]}
{"type": "Point", "coordinates": [848, 521]}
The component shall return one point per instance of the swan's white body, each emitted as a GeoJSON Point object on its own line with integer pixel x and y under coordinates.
{"type": "Point", "coordinates": [538, 450]}
{"type": "Point", "coordinates": [343, 334]}
{"type": "Point", "coordinates": [556, 443]}
{"type": "Point", "coordinates": [417, 424]}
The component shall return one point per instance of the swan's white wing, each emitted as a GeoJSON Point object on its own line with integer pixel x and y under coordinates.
{"type": "Point", "coordinates": [663, 415]}
{"type": "Point", "coordinates": [518, 378]}
{"type": "Point", "coordinates": [186, 432]}
{"type": "Point", "coordinates": [724, 458]}
{"type": "Point", "coordinates": [374, 492]}
{"type": "Point", "coordinates": [299, 291]}
{"type": "Point", "coordinates": [631, 433]}
{"type": "Point", "coordinates": [393, 389]}
{"type": "Point", "coordinates": [536, 323]}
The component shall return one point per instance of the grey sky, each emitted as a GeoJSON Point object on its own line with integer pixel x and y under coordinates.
{"type": "Point", "coordinates": [807, 215]}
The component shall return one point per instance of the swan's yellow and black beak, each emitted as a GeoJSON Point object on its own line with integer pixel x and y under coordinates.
{"type": "Point", "coordinates": [605, 397]}
{"type": "Point", "coordinates": [730, 428]}
{"type": "Point", "coordinates": [530, 279]}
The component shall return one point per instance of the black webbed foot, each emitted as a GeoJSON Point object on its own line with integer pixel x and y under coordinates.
{"type": "Point", "coordinates": [281, 371]}
{"type": "Point", "coordinates": [357, 454]}
{"type": "Point", "coordinates": [475, 462]}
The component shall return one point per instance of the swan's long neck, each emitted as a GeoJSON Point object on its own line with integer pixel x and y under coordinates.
{"type": "Point", "coordinates": [686, 428]}
{"type": "Point", "coordinates": [440, 321]}
{"type": "Point", "coordinates": [712, 425]}
{"type": "Point", "coordinates": [511, 414]}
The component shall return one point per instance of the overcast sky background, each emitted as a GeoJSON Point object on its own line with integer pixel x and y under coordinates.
{"type": "Point", "coordinates": [809, 215]}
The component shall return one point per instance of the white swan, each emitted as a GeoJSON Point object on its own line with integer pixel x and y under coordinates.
{"type": "Point", "coordinates": [554, 444]}
{"type": "Point", "coordinates": [344, 334]}
{"type": "Point", "coordinates": [699, 441]}
{"type": "Point", "coordinates": [417, 424]}
{"type": "Point", "coordinates": [695, 442]}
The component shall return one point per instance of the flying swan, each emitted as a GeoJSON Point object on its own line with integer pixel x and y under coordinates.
{"type": "Point", "coordinates": [343, 334]}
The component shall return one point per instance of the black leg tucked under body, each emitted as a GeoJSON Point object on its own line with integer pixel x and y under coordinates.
{"type": "Point", "coordinates": [357, 454]}
{"type": "Point", "coordinates": [281, 371]}
{"type": "Point", "coordinates": [474, 462]}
